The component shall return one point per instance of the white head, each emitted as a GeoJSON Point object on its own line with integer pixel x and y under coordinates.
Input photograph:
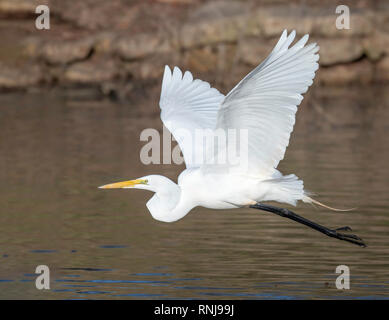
{"type": "Point", "coordinates": [163, 204]}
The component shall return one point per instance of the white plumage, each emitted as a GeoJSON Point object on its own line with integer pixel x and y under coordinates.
{"type": "Point", "coordinates": [264, 103]}
{"type": "Point", "coordinates": [187, 105]}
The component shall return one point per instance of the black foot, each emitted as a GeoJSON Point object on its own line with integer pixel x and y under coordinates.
{"type": "Point", "coordinates": [346, 237]}
{"type": "Point", "coordinates": [285, 213]}
{"type": "Point", "coordinates": [344, 229]}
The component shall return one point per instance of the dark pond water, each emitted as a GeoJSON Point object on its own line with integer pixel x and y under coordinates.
{"type": "Point", "coordinates": [103, 244]}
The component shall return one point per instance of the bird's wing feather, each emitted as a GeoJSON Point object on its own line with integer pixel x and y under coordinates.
{"type": "Point", "coordinates": [186, 105]}
{"type": "Point", "coordinates": [265, 101]}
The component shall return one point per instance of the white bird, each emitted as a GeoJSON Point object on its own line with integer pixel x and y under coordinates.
{"type": "Point", "coordinates": [264, 103]}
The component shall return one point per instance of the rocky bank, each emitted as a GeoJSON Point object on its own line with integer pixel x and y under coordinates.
{"type": "Point", "coordinates": [117, 45]}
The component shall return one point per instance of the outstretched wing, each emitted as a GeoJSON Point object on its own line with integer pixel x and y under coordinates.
{"type": "Point", "coordinates": [186, 106]}
{"type": "Point", "coordinates": [265, 101]}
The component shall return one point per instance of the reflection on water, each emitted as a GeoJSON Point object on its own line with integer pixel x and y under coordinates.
{"type": "Point", "coordinates": [104, 244]}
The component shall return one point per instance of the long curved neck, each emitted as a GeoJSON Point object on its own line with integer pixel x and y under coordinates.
{"type": "Point", "coordinates": [169, 206]}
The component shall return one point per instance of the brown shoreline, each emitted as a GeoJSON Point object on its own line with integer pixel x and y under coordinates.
{"type": "Point", "coordinates": [117, 45]}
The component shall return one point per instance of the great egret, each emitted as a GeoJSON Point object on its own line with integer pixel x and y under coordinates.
{"type": "Point", "coordinates": [265, 103]}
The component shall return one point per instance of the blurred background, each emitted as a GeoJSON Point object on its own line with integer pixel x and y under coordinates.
{"type": "Point", "coordinates": [115, 45]}
{"type": "Point", "coordinates": [74, 99]}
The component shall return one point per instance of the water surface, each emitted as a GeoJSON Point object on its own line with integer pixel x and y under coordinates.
{"type": "Point", "coordinates": [103, 244]}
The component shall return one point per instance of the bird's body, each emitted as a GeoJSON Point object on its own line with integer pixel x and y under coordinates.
{"type": "Point", "coordinates": [219, 191]}
{"type": "Point", "coordinates": [261, 107]}
{"type": "Point", "coordinates": [197, 187]}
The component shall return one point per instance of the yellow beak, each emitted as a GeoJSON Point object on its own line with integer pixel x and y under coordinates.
{"type": "Point", "coordinates": [123, 184]}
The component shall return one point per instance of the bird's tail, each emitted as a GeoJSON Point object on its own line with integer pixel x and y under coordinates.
{"type": "Point", "coordinates": [308, 199]}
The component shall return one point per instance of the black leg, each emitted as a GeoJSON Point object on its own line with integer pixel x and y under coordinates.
{"type": "Point", "coordinates": [329, 232]}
